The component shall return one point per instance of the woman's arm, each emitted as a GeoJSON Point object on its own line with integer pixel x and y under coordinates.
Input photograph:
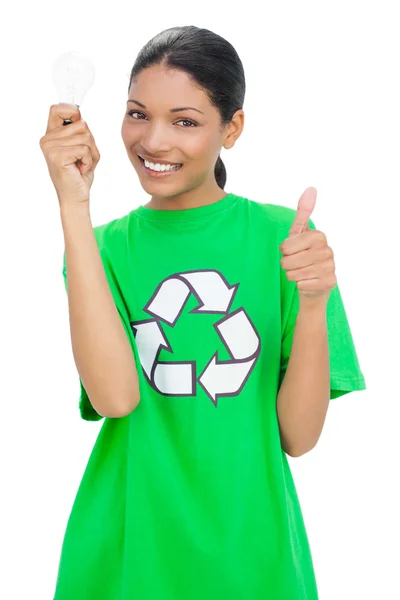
{"type": "Point", "coordinates": [101, 349]}
{"type": "Point", "coordinates": [304, 395]}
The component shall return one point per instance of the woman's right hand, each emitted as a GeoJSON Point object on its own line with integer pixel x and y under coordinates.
{"type": "Point", "coordinates": [71, 154]}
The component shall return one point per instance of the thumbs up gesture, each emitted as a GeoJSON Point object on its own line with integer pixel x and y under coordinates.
{"type": "Point", "coordinates": [307, 258]}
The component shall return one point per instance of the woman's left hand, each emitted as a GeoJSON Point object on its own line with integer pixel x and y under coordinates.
{"type": "Point", "coordinates": [307, 258]}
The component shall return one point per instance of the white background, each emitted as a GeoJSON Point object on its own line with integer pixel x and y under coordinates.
{"type": "Point", "coordinates": [322, 109]}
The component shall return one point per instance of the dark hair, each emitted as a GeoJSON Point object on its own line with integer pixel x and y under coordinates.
{"type": "Point", "coordinates": [210, 60]}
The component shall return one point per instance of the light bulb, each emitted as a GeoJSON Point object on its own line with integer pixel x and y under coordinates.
{"type": "Point", "coordinates": [73, 75]}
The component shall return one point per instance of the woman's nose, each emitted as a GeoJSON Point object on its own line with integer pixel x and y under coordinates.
{"type": "Point", "coordinates": [156, 140]}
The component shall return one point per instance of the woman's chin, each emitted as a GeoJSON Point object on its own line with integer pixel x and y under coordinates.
{"type": "Point", "coordinates": [149, 184]}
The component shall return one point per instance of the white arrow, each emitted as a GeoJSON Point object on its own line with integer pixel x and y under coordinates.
{"type": "Point", "coordinates": [149, 337]}
{"type": "Point", "coordinates": [175, 379]}
{"type": "Point", "coordinates": [168, 301]}
{"type": "Point", "coordinates": [210, 287]}
{"type": "Point", "coordinates": [238, 334]}
{"type": "Point", "coordinates": [225, 378]}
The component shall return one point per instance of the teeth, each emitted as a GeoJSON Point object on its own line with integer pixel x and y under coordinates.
{"type": "Point", "coordinates": [159, 167]}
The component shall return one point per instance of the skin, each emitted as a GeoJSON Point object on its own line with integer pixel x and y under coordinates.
{"type": "Point", "coordinates": [159, 134]}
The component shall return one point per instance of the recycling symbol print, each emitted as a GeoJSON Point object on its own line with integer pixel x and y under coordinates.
{"type": "Point", "coordinates": [235, 329]}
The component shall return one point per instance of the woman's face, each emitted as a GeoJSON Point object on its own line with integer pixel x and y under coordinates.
{"type": "Point", "coordinates": [171, 121]}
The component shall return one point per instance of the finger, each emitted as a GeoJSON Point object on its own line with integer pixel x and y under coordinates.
{"type": "Point", "coordinates": [84, 137]}
{"type": "Point", "coordinates": [87, 160]}
{"type": "Point", "coordinates": [80, 154]}
{"type": "Point", "coordinates": [305, 208]}
{"type": "Point", "coordinates": [88, 142]}
{"type": "Point", "coordinates": [60, 112]}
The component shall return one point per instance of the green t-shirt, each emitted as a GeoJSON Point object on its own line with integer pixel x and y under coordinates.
{"type": "Point", "coordinates": [191, 497]}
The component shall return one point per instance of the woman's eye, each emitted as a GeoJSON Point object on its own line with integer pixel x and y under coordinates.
{"type": "Point", "coordinates": [132, 112]}
{"type": "Point", "coordinates": [191, 123]}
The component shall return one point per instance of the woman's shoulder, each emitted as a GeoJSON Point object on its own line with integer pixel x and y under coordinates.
{"type": "Point", "coordinates": [280, 214]}
{"type": "Point", "coordinates": [107, 232]}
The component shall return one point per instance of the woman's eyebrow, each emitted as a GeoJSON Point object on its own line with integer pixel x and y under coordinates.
{"type": "Point", "coordinates": [172, 109]}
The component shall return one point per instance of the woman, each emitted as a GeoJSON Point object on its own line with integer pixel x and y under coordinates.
{"type": "Point", "coordinates": [188, 493]}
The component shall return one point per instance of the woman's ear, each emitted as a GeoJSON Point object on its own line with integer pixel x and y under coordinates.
{"type": "Point", "coordinates": [234, 129]}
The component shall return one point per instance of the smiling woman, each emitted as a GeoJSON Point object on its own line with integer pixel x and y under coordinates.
{"type": "Point", "coordinates": [185, 104]}
{"type": "Point", "coordinates": [189, 496]}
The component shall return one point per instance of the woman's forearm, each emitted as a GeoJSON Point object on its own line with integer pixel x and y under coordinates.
{"type": "Point", "coordinates": [101, 349]}
{"type": "Point", "coordinates": [304, 395]}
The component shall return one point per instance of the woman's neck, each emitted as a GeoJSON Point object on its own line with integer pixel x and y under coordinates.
{"type": "Point", "coordinates": [195, 198]}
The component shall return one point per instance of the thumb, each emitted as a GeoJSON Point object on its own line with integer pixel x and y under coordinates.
{"type": "Point", "coordinates": [305, 208]}
{"type": "Point", "coordinates": [60, 112]}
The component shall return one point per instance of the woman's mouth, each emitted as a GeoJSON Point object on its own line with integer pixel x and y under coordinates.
{"type": "Point", "coordinates": [158, 170]}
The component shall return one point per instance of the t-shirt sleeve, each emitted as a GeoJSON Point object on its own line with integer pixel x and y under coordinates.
{"type": "Point", "coordinates": [345, 373]}
{"type": "Point", "coordinates": [87, 411]}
